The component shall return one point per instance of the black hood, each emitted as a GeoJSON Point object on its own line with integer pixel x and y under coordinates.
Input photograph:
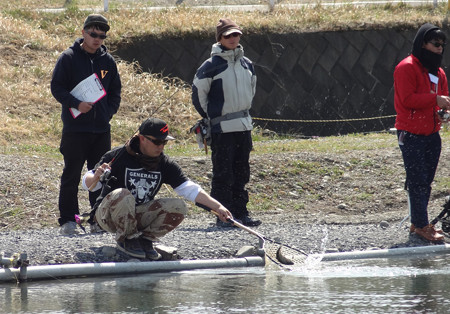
{"type": "Point", "coordinates": [430, 60]}
{"type": "Point", "coordinates": [418, 40]}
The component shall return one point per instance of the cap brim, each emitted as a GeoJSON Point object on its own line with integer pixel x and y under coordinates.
{"type": "Point", "coordinates": [231, 31]}
{"type": "Point", "coordinates": [97, 23]}
{"type": "Point", "coordinates": [168, 137]}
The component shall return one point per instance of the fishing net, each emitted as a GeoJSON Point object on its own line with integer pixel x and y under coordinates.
{"type": "Point", "coordinates": [280, 254]}
{"type": "Point", "coordinates": [283, 255]}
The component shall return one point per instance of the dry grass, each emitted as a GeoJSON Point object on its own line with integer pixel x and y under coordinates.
{"type": "Point", "coordinates": [31, 41]}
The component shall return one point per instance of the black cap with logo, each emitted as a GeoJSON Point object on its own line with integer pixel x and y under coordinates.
{"type": "Point", "coordinates": [156, 128]}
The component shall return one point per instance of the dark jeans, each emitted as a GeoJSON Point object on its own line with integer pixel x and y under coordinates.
{"type": "Point", "coordinates": [77, 148]}
{"type": "Point", "coordinates": [231, 170]}
{"type": "Point", "coordinates": [420, 157]}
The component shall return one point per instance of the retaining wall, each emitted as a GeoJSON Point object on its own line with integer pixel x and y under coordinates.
{"type": "Point", "coordinates": [301, 76]}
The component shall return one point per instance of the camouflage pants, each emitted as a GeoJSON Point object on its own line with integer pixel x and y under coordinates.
{"type": "Point", "coordinates": [118, 213]}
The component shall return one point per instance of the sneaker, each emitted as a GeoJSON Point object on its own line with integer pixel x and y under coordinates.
{"type": "Point", "coordinates": [150, 252]}
{"type": "Point", "coordinates": [413, 228]}
{"type": "Point", "coordinates": [429, 234]}
{"type": "Point", "coordinates": [69, 228]}
{"type": "Point", "coordinates": [131, 247]}
{"type": "Point", "coordinates": [95, 228]}
{"type": "Point", "coordinates": [249, 222]}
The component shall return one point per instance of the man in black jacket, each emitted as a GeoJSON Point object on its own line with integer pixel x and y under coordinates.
{"type": "Point", "coordinates": [86, 129]}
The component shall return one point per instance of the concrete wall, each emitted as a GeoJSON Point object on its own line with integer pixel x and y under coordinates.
{"type": "Point", "coordinates": [301, 76]}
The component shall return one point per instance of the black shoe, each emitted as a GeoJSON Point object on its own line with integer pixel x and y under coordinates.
{"type": "Point", "coordinates": [249, 222]}
{"type": "Point", "coordinates": [131, 247]}
{"type": "Point", "coordinates": [150, 252]}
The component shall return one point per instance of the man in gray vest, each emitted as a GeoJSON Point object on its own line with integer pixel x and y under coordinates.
{"type": "Point", "coordinates": [222, 92]}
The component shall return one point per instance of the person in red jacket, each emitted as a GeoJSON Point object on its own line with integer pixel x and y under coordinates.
{"type": "Point", "coordinates": [421, 91]}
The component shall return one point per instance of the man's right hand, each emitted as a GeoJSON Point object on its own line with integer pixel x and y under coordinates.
{"type": "Point", "coordinates": [92, 178]}
{"type": "Point", "coordinates": [84, 107]}
{"type": "Point", "coordinates": [443, 102]}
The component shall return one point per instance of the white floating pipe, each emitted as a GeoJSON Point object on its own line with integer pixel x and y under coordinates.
{"type": "Point", "coordinates": [102, 269]}
{"type": "Point", "coordinates": [405, 251]}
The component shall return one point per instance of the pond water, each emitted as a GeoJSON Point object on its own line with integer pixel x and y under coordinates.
{"type": "Point", "coordinates": [403, 285]}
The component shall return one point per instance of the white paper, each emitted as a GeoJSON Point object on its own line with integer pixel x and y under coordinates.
{"type": "Point", "coordinates": [433, 78]}
{"type": "Point", "coordinates": [89, 90]}
{"type": "Point", "coordinates": [75, 112]}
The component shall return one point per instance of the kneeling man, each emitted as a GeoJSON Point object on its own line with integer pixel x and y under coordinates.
{"type": "Point", "coordinates": [130, 176]}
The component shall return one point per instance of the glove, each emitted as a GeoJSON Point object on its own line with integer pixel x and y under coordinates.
{"type": "Point", "coordinates": [202, 130]}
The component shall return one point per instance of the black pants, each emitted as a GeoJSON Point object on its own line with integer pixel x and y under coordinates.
{"type": "Point", "coordinates": [420, 157]}
{"type": "Point", "coordinates": [231, 170]}
{"type": "Point", "coordinates": [77, 148]}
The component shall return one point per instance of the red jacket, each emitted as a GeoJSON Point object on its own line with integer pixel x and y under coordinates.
{"type": "Point", "coordinates": [415, 97]}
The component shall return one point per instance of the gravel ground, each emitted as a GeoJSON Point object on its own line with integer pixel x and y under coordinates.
{"type": "Point", "coordinates": [199, 238]}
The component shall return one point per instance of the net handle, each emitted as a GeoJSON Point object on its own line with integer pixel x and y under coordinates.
{"type": "Point", "coordinates": [234, 222]}
{"type": "Point", "coordinates": [243, 227]}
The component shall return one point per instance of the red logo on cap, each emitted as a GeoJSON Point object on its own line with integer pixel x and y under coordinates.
{"type": "Point", "coordinates": [165, 129]}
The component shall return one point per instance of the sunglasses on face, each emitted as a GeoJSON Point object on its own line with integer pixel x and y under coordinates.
{"type": "Point", "coordinates": [231, 35]}
{"type": "Point", "coordinates": [95, 35]}
{"type": "Point", "coordinates": [437, 45]}
{"type": "Point", "coordinates": [156, 141]}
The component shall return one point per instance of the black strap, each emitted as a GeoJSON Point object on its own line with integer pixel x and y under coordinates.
{"type": "Point", "coordinates": [230, 116]}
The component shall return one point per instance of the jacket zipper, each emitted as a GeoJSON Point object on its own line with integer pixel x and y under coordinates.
{"type": "Point", "coordinates": [95, 107]}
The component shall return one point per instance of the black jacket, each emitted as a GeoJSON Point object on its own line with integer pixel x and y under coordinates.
{"type": "Point", "coordinates": [73, 66]}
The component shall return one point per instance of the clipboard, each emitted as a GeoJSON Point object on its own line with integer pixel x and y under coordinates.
{"type": "Point", "coordinates": [90, 90]}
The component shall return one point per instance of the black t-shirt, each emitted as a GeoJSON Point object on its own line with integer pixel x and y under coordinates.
{"type": "Point", "coordinates": [143, 184]}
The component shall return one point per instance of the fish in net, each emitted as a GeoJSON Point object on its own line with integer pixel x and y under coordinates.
{"type": "Point", "coordinates": [283, 255]}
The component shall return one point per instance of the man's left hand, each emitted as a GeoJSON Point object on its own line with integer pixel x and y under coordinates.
{"type": "Point", "coordinates": [223, 214]}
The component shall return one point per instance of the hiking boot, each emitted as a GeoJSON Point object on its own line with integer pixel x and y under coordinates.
{"type": "Point", "coordinates": [429, 234]}
{"type": "Point", "coordinates": [69, 228]}
{"type": "Point", "coordinates": [249, 222]}
{"type": "Point", "coordinates": [131, 247]}
{"type": "Point", "coordinates": [413, 228]}
{"type": "Point", "coordinates": [150, 252]}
